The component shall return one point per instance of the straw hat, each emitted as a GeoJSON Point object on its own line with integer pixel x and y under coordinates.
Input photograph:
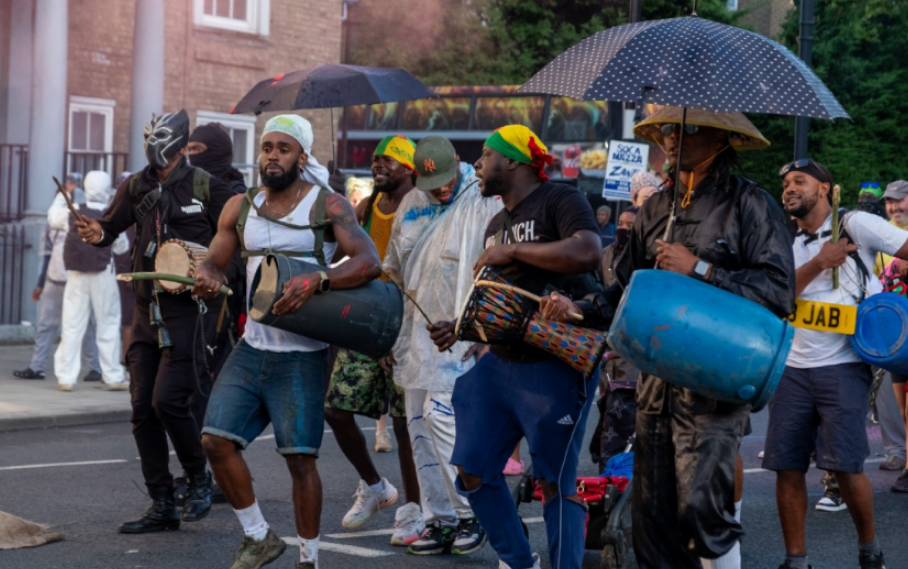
{"type": "Point", "coordinates": [743, 135]}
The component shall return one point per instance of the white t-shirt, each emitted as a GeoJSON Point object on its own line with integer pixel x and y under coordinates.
{"type": "Point", "coordinates": [261, 234]}
{"type": "Point", "coordinates": [873, 234]}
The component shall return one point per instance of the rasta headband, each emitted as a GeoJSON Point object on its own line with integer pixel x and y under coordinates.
{"type": "Point", "coordinates": [517, 142]}
{"type": "Point", "coordinates": [398, 147]}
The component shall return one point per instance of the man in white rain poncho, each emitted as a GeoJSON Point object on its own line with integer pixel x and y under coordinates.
{"type": "Point", "coordinates": [435, 241]}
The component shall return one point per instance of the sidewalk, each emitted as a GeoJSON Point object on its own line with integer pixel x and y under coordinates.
{"type": "Point", "coordinates": [36, 404]}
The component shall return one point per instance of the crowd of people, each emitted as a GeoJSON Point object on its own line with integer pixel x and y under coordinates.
{"type": "Point", "coordinates": [209, 379]}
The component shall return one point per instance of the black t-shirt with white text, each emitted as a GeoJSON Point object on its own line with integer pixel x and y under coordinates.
{"type": "Point", "coordinates": [552, 212]}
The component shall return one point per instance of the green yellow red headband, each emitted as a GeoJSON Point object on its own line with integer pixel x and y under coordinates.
{"type": "Point", "coordinates": [517, 142]}
{"type": "Point", "coordinates": [398, 147]}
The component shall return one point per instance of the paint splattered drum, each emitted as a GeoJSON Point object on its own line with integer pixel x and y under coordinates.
{"type": "Point", "coordinates": [366, 319]}
{"type": "Point", "coordinates": [177, 257]}
{"type": "Point", "coordinates": [496, 315]}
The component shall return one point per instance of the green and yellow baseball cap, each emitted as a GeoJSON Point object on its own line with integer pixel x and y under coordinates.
{"type": "Point", "coordinates": [436, 163]}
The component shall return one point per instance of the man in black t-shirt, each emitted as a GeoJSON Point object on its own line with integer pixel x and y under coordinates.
{"type": "Point", "coordinates": [546, 233]}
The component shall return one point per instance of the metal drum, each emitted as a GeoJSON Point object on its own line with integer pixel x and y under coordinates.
{"type": "Point", "coordinates": [366, 319]}
{"type": "Point", "coordinates": [700, 337]}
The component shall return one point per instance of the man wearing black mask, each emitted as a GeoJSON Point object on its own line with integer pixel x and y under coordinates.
{"type": "Point", "coordinates": [211, 149]}
{"type": "Point", "coordinates": [173, 343]}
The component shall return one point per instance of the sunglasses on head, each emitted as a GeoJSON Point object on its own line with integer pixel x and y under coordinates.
{"type": "Point", "coordinates": [796, 165]}
{"type": "Point", "coordinates": [870, 185]}
{"type": "Point", "coordinates": [669, 128]}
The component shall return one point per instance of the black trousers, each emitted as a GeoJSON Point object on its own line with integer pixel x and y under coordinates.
{"type": "Point", "coordinates": [170, 392]}
{"type": "Point", "coordinates": [684, 486]}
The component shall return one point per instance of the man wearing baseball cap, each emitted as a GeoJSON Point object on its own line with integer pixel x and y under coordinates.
{"type": "Point", "coordinates": [822, 398]}
{"type": "Point", "coordinates": [436, 239]}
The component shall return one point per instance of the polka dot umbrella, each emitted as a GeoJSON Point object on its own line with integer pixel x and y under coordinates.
{"type": "Point", "coordinates": [688, 62]}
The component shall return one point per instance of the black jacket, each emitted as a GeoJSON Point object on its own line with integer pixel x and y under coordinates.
{"type": "Point", "coordinates": [733, 224]}
{"type": "Point", "coordinates": [180, 214]}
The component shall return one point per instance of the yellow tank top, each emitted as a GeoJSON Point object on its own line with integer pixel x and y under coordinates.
{"type": "Point", "coordinates": [380, 230]}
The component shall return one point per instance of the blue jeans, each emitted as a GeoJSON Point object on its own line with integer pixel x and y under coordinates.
{"type": "Point", "coordinates": [257, 387]}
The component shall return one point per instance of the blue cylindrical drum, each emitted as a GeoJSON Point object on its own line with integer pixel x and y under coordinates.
{"type": "Point", "coordinates": [700, 337]}
{"type": "Point", "coordinates": [366, 319]}
{"type": "Point", "coordinates": [881, 332]}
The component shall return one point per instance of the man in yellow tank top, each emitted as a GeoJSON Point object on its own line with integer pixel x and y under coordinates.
{"type": "Point", "coordinates": [359, 385]}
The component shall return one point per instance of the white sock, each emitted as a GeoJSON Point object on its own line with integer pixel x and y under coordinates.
{"type": "Point", "coordinates": [732, 557]}
{"type": "Point", "coordinates": [254, 524]}
{"type": "Point", "coordinates": [309, 550]}
{"type": "Point", "coordinates": [378, 487]}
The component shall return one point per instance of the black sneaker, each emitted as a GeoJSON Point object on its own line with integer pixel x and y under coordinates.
{"type": "Point", "coordinates": [832, 502]}
{"type": "Point", "coordinates": [434, 541]}
{"type": "Point", "coordinates": [180, 490]}
{"type": "Point", "coordinates": [28, 373]}
{"type": "Point", "coordinates": [901, 483]}
{"type": "Point", "coordinates": [93, 375]}
{"type": "Point", "coordinates": [470, 537]}
{"type": "Point", "coordinates": [871, 561]}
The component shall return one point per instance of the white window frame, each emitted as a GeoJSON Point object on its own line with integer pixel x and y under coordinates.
{"type": "Point", "coordinates": [732, 5]}
{"type": "Point", "coordinates": [258, 18]}
{"type": "Point", "coordinates": [103, 107]}
{"type": "Point", "coordinates": [238, 122]}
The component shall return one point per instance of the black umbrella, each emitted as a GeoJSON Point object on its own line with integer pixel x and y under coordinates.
{"type": "Point", "coordinates": [332, 85]}
{"type": "Point", "coordinates": [688, 62]}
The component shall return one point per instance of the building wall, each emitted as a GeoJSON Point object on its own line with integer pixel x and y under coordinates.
{"type": "Point", "coordinates": [206, 68]}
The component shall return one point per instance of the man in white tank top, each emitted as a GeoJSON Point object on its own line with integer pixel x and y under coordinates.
{"type": "Point", "coordinates": [274, 376]}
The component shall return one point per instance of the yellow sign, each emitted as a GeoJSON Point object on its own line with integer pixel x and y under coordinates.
{"type": "Point", "coordinates": [823, 316]}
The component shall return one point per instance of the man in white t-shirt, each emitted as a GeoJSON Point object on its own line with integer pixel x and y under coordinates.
{"type": "Point", "coordinates": [822, 398]}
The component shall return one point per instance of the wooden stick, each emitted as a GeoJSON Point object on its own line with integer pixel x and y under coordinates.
{"type": "Point", "coordinates": [525, 293]}
{"type": "Point", "coordinates": [129, 277]}
{"type": "Point", "coordinates": [69, 201]}
{"type": "Point", "coordinates": [836, 196]}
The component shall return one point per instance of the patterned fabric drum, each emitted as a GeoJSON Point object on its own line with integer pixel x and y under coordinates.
{"type": "Point", "coordinates": [580, 348]}
{"type": "Point", "coordinates": [493, 316]}
{"type": "Point", "coordinates": [500, 316]}
{"type": "Point", "coordinates": [177, 257]}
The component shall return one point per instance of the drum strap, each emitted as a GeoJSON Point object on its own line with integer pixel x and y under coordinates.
{"type": "Point", "coordinates": [318, 228]}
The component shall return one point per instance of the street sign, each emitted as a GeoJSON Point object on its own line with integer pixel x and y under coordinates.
{"type": "Point", "coordinates": [624, 160]}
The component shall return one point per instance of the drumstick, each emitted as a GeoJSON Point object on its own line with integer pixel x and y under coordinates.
{"type": "Point", "coordinates": [69, 201]}
{"type": "Point", "coordinates": [525, 293]}
{"type": "Point", "coordinates": [129, 277]}
{"type": "Point", "coordinates": [411, 299]}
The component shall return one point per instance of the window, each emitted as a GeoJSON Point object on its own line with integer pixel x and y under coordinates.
{"type": "Point", "coordinates": [242, 133]}
{"type": "Point", "coordinates": [250, 16]}
{"type": "Point", "coordinates": [733, 5]}
{"type": "Point", "coordinates": [90, 142]}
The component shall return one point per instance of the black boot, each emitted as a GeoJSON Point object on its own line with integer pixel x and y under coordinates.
{"type": "Point", "coordinates": [161, 516]}
{"type": "Point", "coordinates": [198, 498]}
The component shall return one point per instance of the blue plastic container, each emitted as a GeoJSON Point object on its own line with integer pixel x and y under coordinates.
{"type": "Point", "coordinates": [700, 337]}
{"type": "Point", "coordinates": [881, 332]}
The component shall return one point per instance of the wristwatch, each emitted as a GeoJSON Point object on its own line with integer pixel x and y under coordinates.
{"type": "Point", "coordinates": [701, 269]}
{"type": "Point", "coordinates": [324, 285]}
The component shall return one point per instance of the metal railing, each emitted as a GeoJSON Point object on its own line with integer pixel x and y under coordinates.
{"type": "Point", "coordinates": [113, 163]}
{"type": "Point", "coordinates": [13, 247]}
{"type": "Point", "coordinates": [13, 181]}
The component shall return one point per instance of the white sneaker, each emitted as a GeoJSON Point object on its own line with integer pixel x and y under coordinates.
{"type": "Point", "coordinates": [408, 524]}
{"type": "Point", "coordinates": [368, 503]}
{"type": "Point", "coordinates": [503, 565]}
{"type": "Point", "coordinates": [383, 441]}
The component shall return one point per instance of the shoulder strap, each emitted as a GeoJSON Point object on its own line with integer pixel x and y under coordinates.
{"type": "Point", "coordinates": [201, 186]}
{"type": "Point", "coordinates": [321, 223]}
{"type": "Point", "coordinates": [243, 215]}
{"type": "Point", "coordinates": [862, 268]}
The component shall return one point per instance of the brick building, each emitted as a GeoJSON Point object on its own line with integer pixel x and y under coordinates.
{"type": "Point", "coordinates": [79, 78]}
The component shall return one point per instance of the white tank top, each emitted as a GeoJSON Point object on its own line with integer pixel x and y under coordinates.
{"type": "Point", "coordinates": [260, 234]}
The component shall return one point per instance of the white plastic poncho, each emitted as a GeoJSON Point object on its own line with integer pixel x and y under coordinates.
{"type": "Point", "coordinates": [432, 250]}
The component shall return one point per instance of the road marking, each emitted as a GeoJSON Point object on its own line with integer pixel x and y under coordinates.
{"type": "Point", "coordinates": [755, 470]}
{"type": "Point", "coordinates": [340, 548]}
{"type": "Point", "coordinates": [375, 532]}
{"type": "Point", "coordinates": [55, 464]}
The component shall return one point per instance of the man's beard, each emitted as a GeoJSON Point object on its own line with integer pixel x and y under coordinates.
{"type": "Point", "coordinates": [389, 187]}
{"type": "Point", "coordinates": [803, 209]}
{"type": "Point", "coordinates": [280, 181]}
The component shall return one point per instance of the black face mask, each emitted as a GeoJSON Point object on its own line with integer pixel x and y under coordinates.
{"type": "Point", "coordinates": [876, 207]}
{"type": "Point", "coordinates": [165, 136]}
{"type": "Point", "coordinates": [622, 238]}
{"type": "Point", "coordinates": [217, 159]}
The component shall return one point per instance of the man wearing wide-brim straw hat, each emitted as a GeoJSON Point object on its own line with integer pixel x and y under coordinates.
{"type": "Point", "coordinates": [730, 233]}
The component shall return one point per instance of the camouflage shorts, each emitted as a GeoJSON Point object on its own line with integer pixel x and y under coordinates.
{"type": "Point", "coordinates": [360, 386]}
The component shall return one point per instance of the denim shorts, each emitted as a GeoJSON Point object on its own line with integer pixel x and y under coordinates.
{"type": "Point", "coordinates": [823, 408]}
{"type": "Point", "coordinates": [498, 402]}
{"type": "Point", "coordinates": [257, 387]}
